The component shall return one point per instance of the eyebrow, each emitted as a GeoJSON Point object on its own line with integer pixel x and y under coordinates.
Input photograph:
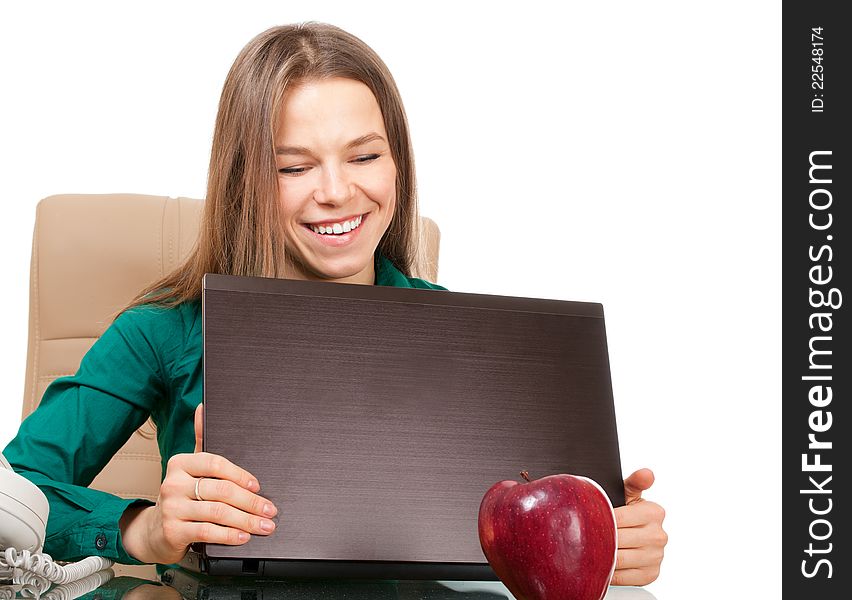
{"type": "Point", "coordinates": [359, 141]}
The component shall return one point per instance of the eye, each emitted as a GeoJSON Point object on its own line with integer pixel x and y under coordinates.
{"type": "Point", "coordinates": [292, 170]}
{"type": "Point", "coordinates": [366, 158]}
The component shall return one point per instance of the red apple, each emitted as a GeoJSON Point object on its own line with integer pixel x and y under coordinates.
{"type": "Point", "coordinates": [553, 538]}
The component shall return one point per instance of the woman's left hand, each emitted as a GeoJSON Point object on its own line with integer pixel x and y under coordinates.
{"type": "Point", "coordinates": [641, 538]}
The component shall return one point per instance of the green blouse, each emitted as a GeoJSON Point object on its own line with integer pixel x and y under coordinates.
{"type": "Point", "coordinates": [147, 363]}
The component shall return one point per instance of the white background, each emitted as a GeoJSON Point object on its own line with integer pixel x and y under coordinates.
{"type": "Point", "coordinates": [626, 153]}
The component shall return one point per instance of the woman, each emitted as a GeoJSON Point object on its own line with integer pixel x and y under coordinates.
{"type": "Point", "coordinates": [311, 177]}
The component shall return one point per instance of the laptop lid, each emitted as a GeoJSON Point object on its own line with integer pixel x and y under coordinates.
{"type": "Point", "coordinates": [376, 418]}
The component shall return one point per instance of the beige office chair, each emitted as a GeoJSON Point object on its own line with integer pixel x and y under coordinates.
{"type": "Point", "coordinates": [91, 255]}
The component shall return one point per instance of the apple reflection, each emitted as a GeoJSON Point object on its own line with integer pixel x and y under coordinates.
{"type": "Point", "coordinates": [498, 590]}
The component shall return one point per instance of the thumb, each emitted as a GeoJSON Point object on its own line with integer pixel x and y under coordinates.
{"type": "Point", "coordinates": [637, 483]}
{"type": "Point", "coordinates": [199, 427]}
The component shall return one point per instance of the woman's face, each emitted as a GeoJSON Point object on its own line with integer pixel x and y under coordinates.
{"type": "Point", "coordinates": [336, 179]}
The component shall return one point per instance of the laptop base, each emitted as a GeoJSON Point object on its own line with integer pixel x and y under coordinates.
{"type": "Point", "coordinates": [337, 569]}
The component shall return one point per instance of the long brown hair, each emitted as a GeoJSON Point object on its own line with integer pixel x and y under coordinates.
{"type": "Point", "coordinates": [240, 232]}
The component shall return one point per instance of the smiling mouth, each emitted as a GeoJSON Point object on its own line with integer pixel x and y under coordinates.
{"type": "Point", "coordinates": [338, 228]}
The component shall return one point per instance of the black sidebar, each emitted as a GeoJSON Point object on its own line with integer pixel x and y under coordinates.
{"type": "Point", "coordinates": [817, 227]}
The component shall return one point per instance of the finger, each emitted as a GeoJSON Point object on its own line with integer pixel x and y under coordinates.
{"type": "Point", "coordinates": [149, 591]}
{"type": "Point", "coordinates": [638, 514]}
{"type": "Point", "coordinates": [215, 534]}
{"type": "Point", "coordinates": [226, 515]}
{"type": "Point", "coordinates": [222, 490]}
{"type": "Point", "coordinates": [637, 483]}
{"type": "Point", "coordinates": [634, 558]}
{"type": "Point", "coordinates": [633, 537]}
{"type": "Point", "coordinates": [635, 576]}
{"type": "Point", "coordinates": [199, 428]}
{"type": "Point", "coordinates": [205, 464]}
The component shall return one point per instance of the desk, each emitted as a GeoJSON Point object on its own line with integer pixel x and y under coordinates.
{"type": "Point", "coordinates": [177, 584]}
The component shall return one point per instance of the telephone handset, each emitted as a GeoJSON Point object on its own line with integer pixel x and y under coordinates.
{"type": "Point", "coordinates": [23, 521]}
{"type": "Point", "coordinates": [23, 511]}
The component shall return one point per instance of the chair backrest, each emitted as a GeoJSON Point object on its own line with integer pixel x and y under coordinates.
{"type": "Point", "coordinates": [91, 255]}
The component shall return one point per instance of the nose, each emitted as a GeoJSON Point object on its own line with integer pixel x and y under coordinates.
{"type": "Point", "coordinates": [334, 187]}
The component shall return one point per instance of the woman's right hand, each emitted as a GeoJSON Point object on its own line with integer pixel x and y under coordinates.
{"type": "Point", "coordinates": [229, 512]}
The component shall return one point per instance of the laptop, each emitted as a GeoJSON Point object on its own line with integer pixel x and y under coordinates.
{"type": "Point", "coordinates": [376, 418]}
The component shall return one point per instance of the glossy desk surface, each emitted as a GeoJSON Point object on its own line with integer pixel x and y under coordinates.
{"type": "Point", "coordinates": [177, 584]}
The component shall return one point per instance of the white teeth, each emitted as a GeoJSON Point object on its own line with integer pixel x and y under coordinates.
{"type": "Point", "coordinates": [338, 228]}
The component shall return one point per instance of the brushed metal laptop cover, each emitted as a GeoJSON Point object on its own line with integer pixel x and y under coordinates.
{"type": "Point", "coordinates": [376, 418]}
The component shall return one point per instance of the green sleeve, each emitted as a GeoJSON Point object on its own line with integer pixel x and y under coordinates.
{"type": "Point", "coordinates": [80, 424]}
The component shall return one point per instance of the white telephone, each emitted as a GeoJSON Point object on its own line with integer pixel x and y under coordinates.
{"type": "Point", "coordinates": [23, 520]}
{"type": "Point", "coordinates": [23, 511]}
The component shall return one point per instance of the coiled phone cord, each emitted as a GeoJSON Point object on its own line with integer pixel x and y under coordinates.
{"type": "Point", "coordinates": [71, 590]}
{"type": "Point", "coordinates": [29, 585]}
{"type": "Point", "coordinates": [42, 565]}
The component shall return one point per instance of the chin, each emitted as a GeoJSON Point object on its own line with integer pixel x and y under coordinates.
{"type": "Point", "coordinates": [342, 268]}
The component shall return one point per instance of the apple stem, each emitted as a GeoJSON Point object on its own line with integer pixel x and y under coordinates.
{"type": "Point", "coordinates": [525, 475]}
